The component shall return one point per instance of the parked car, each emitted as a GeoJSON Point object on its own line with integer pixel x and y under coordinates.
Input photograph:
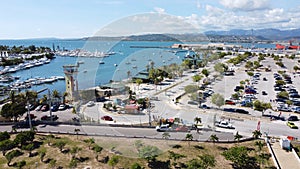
{"type": "Point", "coordinates": [163, 128]}
{"type": "Point", "coordinates": [45, 107]}
{"type": "Point", "coordinates": [225, 124]}
{"type": "Point", "coordinates": [204, 106]}
{"type": "Point", "coordinates": [291, 125]}
{"type": "Point", "coordinates": [230, 102]}
{"type": "Point", "coordinates": [54, 107]}
{"type": "Point", "coordinates": [293, 118]}
{"type": "Point", "coordinates": [90, 103]}
{"type": "Point", "coordinates": [48, 117]}
{"type": "Point", "coordinates": [32, 116]}
{"type": "Point", "coordinates": [107, 118]}
{"type": "Point", "coordinates": [30, 107]}
{"type": "Point", "coordinates": [182, 129]}
{"type": "Point", "coordinates": [62, 107]}
{"type": "Point", "coordinates": [242, 111]}
{"type": "Point", "coordinates": [38, 108]}
{"type": "Point", "coordinates": [296, 109]}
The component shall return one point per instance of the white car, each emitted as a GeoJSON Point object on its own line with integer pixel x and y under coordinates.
{"type": "Point", "coordinates": [225, 124]}
{"type": "Point", "coordinates": [163, 128]}
{"type": "Point", "coordinates": [90, 103]}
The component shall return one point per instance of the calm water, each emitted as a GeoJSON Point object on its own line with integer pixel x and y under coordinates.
{"type": "Point", "coordinates": [130, 56]}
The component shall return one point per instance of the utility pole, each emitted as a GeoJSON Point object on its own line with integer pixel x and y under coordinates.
{"type": "Point", "coordinates": [149, 111]}
{"type": "Point", "coordinates": [49, 95]}
{"type": "Point", "coordinates": [28, 115]}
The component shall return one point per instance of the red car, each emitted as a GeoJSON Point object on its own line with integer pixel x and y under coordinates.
{"type": "Point", "coordinates": [229, 102]}
{"type": "Point", "coordinates": [107, 118]}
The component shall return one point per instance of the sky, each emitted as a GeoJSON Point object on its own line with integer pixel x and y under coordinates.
{"type": "Point", "coordinates": [23, 19]}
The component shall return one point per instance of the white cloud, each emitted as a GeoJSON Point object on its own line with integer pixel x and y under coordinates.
{"type": "Point", "coordinates": [245, 5]}
{"type": "Point", "coordinates": [159, 10]}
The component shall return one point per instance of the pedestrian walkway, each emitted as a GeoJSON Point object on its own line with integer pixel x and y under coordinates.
{"type": "Point", "coordinates": [286, 159]}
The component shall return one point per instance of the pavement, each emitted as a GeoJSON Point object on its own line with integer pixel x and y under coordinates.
{"type": "Point", "coordinates": [286, 159]}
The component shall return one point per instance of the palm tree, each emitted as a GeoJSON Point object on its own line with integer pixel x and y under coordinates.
{"type": "Point", "coordinates": [166, 135]}
{"type": "Point", "coordinates": [44, 99]}
{"type": "Point", "coordinates": [76, 131]}
{"type": "Point", "coordinates": [12, 96]}
{"type": "Point", "coordinates": [138, 82]}
{"type": "Point", "coordinates": [65, 95]}
{"type": "Point", "coordinates": [214, 138]}
{"type": "Point", "coordinates": [56, 94]}
{"type": "Point", "coordinates": [256, 134]}
{"type": "Point", "coordinates": [197, 120]}
{"type": "Point", "coordinates": [237, 136]}
{"type": "Point", "coordinates": [189, 137]}
{"type": "Point", "coordinates": [259, 145]}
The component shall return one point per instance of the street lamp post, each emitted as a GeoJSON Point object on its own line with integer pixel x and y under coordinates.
{"type": "Point", "coordinates": [149, 111]}
{"type": "Point", "coordinates": [28, 115]}
{"type": "Point", "coordinates": [49, 95]}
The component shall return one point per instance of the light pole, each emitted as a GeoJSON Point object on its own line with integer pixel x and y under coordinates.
{"type": "Point", "coordinates": [149, 111]}
{"type": "Point", "coordinates": [28, 115]}
{"type": "Point", "coordinates": [49, 95]}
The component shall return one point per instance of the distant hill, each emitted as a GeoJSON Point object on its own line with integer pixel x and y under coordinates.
{"type": "Point", "coordinates": [234, 35]}
{"type": "Point", "coordinates": [268, 34]}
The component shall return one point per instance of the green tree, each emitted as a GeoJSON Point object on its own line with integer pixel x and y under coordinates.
{"type": "Point", "coordinates": [283, 94]}
{"type": "Point", "coordinates": [149, 153]}
{"type": "Point", "coordinates": [205, 72]}
{"type": "Point", "coordinates": [74, 150]}
{"type": "Point", "coordinates": [90, 142]}
{"type": "Point", "coordinates": [29, 148]}
{"type": "Point", "coordinates": [214, 138]}
{"type": "Point", "coordinates": [60, 144]}
{"type": "Point", "coordinates": [217, 99]}
{"type": "Point", "coordinates": [207, 161]}
{"type": "Point", "coordinates": [56, 95]}
{"type": "Point", "coordinates": [239, 156]}
{"type": "Point", "coordinates": [4, 136]}
{"type": "Point", "coordinates": [76, 131]}
{"type": "Point", "coordinates": [138, 82]}
{"type": "Point", "coordinates": [136, 166]}
{"type": "Point", "coordinates": [166, 135]}
{"type": "Point", "coordinates": [49, 139]}
{"type": "Point", "coordinates": [189, 137]}
{"type": "Point", "coordinates": [73, 163]}
{"type": "Point", "coordinates": [65, 95]}
{"type": "Point", "coordinates": [113, 161]}
{"type": "Point", "coordinates": [197, 78]}
{"type": "Point", "coordinates": [12, 154]}
{"type": "Point", "coordinates": [21, 164]}
{"type": "Point", "coordinates": [261, 106]}
{"type": "Point", "coordinates": [13, 110]}
{"type": "Point", "coordinates": [24, 137]}
{"type": "Point", "coordinates": [259, 145]}
{"type": "Point", "coordinates": [220, 67]}
{"type": "Point", "coordinates": [175, 157]}
{"type": "Point", "coordinates": [6, 145]}
{"type": "Point", "coordinates": [52, 163]}
{"type": "Point", "coordinates": [194, 163]}
{"type": "Point", "coordinates": [97, 149]}
{"type": "Point", "coordinates": [191, 88]}
{"type": "Point", "coordinates": [237, 136]}
{"type": "Point", "coordinates": [256, 134]}
{"type": "Point", "coordinates": [42, 153]}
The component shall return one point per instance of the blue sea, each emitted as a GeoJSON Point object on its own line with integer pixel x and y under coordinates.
{"type": "Point", "coordinates": [130, 56]}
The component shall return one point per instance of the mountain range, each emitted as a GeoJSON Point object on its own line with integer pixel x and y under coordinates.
{"type": "Point", "coordinates": [263, 34]}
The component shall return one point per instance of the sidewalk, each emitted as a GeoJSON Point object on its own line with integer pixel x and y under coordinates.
{"type": "Point", "coordinates": [286, 159]}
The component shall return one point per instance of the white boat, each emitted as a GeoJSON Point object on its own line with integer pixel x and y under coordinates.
{"type": "Point", "coordinates": [80, 62]}
{"type": "Point", "coordinates": [115, 65]}
{"type": "Point", "coordinates": [101, 62]}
